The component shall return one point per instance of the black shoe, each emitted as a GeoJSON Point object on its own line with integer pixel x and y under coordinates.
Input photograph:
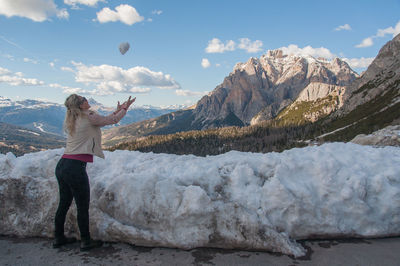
{"type": "Point", "coordinates": [58, 242]}
{"type": "Point", "coordinates": [89, 244]}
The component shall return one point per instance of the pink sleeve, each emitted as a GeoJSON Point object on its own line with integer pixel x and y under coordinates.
{"type": "Point", "coordinates": [99, 120]}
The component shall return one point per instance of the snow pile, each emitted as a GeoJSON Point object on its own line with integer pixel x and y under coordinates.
{"type": "Point", "coordinates": [233, 200]}
{"type": "Point", "coordinates": [388, 136]}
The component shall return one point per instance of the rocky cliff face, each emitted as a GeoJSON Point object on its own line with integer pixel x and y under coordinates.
{"type": "Point", "coordinates": [269, 84]}
{"type": "Point", "coordinates": [381, 76]}
{"type": "Point", "coordinates": [367, 98]}
{"type": "Point", "coordinates": [372, 101]}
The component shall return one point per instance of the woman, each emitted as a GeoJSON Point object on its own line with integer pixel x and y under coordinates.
{"type": "Point", "coordinates": [83, 141]}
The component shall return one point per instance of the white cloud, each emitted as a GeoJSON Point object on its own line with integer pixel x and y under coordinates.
{"type": "Point", "coordinates": [359, 62]}
{"type": "Point", "coordinates": [112, 79]}
{"type": "Point", "coordinates": [67, 69]}
{"type": "Point", "coordinates": [55, 85]}
{"type": "Point", "coordinates": [156, 12]}
{"type": "Point", "coordinates": [249, 46]}
{"type": "Point", "coordinates": [4, 71]}
{"type": "Point", "coordinates": [53, 63]}
{"type": "Point", "coordinates": [379, 34]}
{"type": "Point", "coordinates": [205, 63]}
{"type": "Point", "coordinates": [189, 93]}
{"type": "Point", "coordinates": [68, 90]}
{"type": "Point", "coordinates": [293, 49]}
{"type": "Point", "coordinates": [325, 53]}
{"type": "Point", "coordinates": [63, 13]}
{"type": "Point", "coordinates": [74, 3]}
{"type": "Point", "coordinates": [28, 60]}
{"type": "Point", "coordinates": [36, 10]}
{"type": "Point", "coordinates": [17, 79]}
{"type": "Point", "coordinates": [216, 46]}
{"type": "Point", "coordinates": [365, 43]}
{"type": "Point", "coordinates": [390, 30]}
{"type": "Point", "coordinates": [343, 27]}
{"type": "Point", "coordinates": [124, 13]}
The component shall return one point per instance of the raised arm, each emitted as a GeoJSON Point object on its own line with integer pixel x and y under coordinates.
{"type": "Point", "coordinates": [99, 120]}
{"type": "Point", "coordinates": [115, 117]}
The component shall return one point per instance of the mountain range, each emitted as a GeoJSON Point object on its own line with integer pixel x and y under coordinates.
{"type": "Point", "coordinates": [48, 117]}
{"type": "Point", "coordinates": [254, 91]}
{"type": "Point", "coordinates": [258, 89]}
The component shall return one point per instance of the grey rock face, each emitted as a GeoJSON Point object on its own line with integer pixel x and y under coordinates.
{"type": "Point", "coordinates": [268, 84]}
{"type": "Point", "coordinates": [381, 75]}
{"type": "Point", "coordinates": [380, 84]}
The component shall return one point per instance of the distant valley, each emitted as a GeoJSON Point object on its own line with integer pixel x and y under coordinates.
{"type": "Point", "coordinates": [49, 117]}
{"type": "Point", "coordinates": [20, 140]}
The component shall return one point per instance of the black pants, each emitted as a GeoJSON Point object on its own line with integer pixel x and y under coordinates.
{"type": "Point", "coordinates": [73, 183]}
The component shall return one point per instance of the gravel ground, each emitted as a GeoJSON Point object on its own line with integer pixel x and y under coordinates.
{"type": "Point", "coordinates": [39, 251]}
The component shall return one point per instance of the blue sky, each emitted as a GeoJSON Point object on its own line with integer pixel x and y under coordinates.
{"type": "Point", "coordinates": [179, 50]}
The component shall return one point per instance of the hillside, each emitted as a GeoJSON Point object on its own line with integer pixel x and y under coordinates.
{"type": "Point", "coordinates": [165, 124]}
{"type": "Point", "coordinates": [19, 140]}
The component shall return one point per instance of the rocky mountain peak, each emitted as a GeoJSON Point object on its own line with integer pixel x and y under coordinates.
{"type": "Point", "coordinates": [274, 80]}
{"type": "Point", "coordinates": [275, 53]}
{"type": "Point", "coordinates": [249, 67]}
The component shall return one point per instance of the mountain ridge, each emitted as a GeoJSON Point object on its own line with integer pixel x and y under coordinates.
{"type": "Point", "coordinates": [49, 117]}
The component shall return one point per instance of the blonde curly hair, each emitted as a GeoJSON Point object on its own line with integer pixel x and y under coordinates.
{"type": "Point", "coordinates": [72, 103]}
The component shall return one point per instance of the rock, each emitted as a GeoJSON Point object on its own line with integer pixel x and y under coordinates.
{"type": "Point", "coordinates": [388, 136]}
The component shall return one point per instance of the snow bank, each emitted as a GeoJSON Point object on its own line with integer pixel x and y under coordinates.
{"type": "Point", "coordinates": [234, 200]}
